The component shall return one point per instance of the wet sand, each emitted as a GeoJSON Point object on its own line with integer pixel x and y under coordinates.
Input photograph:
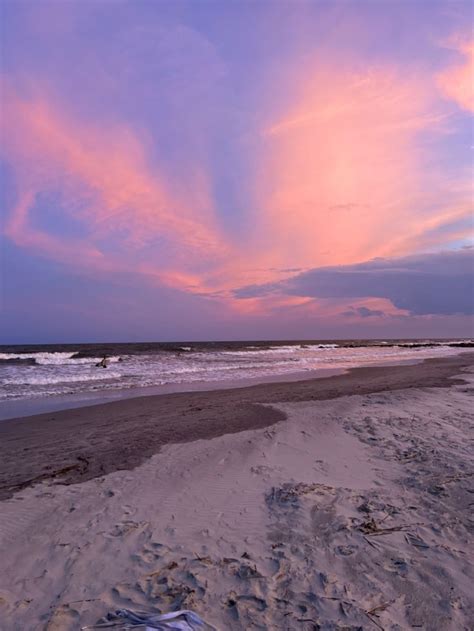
{"type": "Point", "coordinates": [71, 446]}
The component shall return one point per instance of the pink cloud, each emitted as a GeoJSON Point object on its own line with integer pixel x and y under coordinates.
{"type": "Point", "coordinates": [106, 184]}
{"type": "Point", "coordinates": [457, 81]}
{"type": "Point", "coordinates": [342, 178]}
{"type": "Point", "coordinates": [344, 175]}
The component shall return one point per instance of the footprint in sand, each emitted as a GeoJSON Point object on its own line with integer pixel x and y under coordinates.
{"type": "Point", "coordinates": [63, 618]}
{"type": "Point", "coordinates": [126, 527]}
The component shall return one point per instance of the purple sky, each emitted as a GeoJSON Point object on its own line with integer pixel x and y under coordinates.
{"type": "Point", "coordinates": [236, 170]}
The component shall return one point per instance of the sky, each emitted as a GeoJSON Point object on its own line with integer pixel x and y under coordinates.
{"type": "Point", "coordinates": [223, 169]}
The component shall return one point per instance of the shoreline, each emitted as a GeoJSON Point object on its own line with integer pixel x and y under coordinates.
{"type": "Point", "coordinates": [15, 409]}
{"type": "Point", "coordinates": [32, 403]}
{"type": "Point", "coordinates": [56, 403]}
{"type": "Point", "coordinates": [80, 444]}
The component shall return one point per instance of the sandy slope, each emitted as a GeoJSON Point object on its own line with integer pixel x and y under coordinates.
{"type": "Point", "coordinates": [352, 513]}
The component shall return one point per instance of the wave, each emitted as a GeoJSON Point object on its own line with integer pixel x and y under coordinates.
{"type": "Point", "coordinates": [53, 359]}
{"type": "Point", "coordinates": [277, 350]}
{"type": "Point", "coordinates": [47, 380]}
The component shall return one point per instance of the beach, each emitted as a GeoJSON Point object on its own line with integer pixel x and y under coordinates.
{"type": "Point", "coordinates": [335, 503]}
{"type": "Point", "coordinates": [236, 315]}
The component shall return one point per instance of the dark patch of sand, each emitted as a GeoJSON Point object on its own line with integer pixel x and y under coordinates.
{"type": "Point", "coordinates": [72, 446]}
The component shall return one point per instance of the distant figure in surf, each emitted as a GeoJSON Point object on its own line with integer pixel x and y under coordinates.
{"type": "Point", "coordinates": [103, 363]}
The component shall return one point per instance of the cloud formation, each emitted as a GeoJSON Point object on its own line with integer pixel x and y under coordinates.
{"type": "Point", "coordinates": [203, 151]}
{"type": "Point", "coordinates": [344, 171]}
{"type": "Point", "coordinates": [457, 81]}
{"type": "Point", "coordinates": [362, 312]}
{"type": "Point", "coordinates": [107, 186]}
{"type": "Point", "coordinates": [440, 283]}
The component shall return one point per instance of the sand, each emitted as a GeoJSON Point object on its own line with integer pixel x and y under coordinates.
{"type": "Point", "coordinates": [79, 444]}
{"type": "Point", "coordinates": [336, 505]}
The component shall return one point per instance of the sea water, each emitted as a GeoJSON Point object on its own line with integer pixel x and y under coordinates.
{"type": "Point", "coordinates": [45, 371]}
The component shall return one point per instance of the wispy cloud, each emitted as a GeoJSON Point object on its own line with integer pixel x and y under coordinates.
{"type": "Point", "coordinates": [457, 81]}
{"type": "Point", "coordinates": [348, 163]}
{"type": "Point", "coordinates": [347, 171]}
{"type": "Point", "coordinates": [106, 183]}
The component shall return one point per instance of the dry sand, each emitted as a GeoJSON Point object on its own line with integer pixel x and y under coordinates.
{"type": "Point", "coordinates": [348, 512]}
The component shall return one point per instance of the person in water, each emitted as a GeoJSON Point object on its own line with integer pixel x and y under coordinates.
{"type": "Point", "coordinates": [102, 363]}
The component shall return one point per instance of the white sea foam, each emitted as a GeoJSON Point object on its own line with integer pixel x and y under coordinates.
{"type": "Point", "coordinates": [48, 380]}
{"type": "Point", "coordinates": [255, 350]}
{"type": "Point", "coordinates": [56, 359]}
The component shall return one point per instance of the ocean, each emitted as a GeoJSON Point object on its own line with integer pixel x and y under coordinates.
{"type": "Point", "coordinates": [40, 371]}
